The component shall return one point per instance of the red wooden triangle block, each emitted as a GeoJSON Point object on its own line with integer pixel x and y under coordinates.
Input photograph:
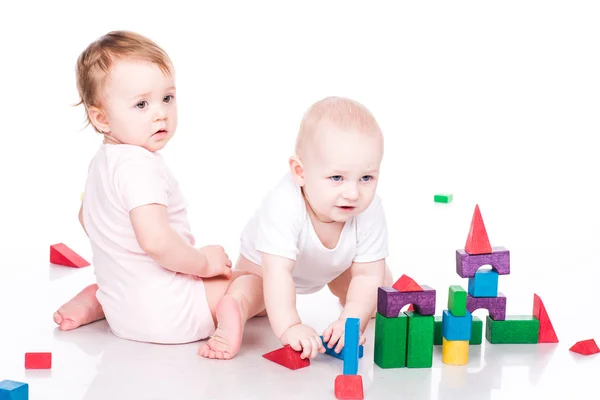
{"type": "Point", "coordinates": [477, 240]}
{"type": "Point", "coordinates": [547, 333]}
{"type": "Point", "coordinates": [287, 357]}
{"type": "Point", "coordinates": [585, 347]}
{"type": "Point", "coordinates": [410, 308]}
{"type": "Point", "coordinates": [62, 255]}
{"type": "Point", "coordinates": [349, 387]}
{"type": "Point", "coordinates": [407, 284]}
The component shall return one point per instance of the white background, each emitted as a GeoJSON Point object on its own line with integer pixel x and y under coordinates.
{"type": "Point", "coordinates": [495, 102]}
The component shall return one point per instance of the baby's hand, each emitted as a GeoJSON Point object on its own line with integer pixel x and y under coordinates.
{"type": "Point", "coordinates": [303, 337]}
{"type": "Point", "coordinates": [335, 334]}
{"type": "Point", "coordinates": [218, 263]}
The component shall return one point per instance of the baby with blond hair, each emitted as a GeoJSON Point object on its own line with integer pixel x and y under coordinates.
{"type": "Point", "coordinates": [323, 224]}
{"type": "Point", "coordinates": [153, 284]}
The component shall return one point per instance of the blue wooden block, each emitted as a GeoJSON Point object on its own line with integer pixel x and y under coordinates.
{"type": "Point", "coordinates": [484, 284]}
{"type": "Point", "coordinates": [456, 328]}
{"type": "Point", "coordinates": [12, 390]}
{"type": "Point", "coordinates": [340, 355]}
{"type": "Point", "coordinates": [351, 337]}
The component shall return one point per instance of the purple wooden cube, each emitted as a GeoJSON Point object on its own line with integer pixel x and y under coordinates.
{"type": "Point", "coordinates": [467, 264]}
{"type": "Point", "coordinates": [495, 305]}
{"type": "Point", "coordinates": [390, 301]}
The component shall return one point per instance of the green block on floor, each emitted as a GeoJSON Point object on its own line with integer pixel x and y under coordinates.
{"type": "Point", "coordinates": [476, 331]}
{"type": "Point", "coordinates": [419, 351]}
{"type": "Point", "coordinates": [437, 330]}
{"type": "Point", "coordinates": [390, 341]}
{"type": "Point", "coordinates": [443, 198]}
{"type": "Point", "coordinates": [516, 329]}
{"type": "Point", "coordinates": [457, 300]}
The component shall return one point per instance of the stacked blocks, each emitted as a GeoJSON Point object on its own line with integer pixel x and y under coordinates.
{"type": "Point", "coordinates": [404, 339]}
{"type": "Point", "coordinates": [457, 326]}
{"type": "Point", "coordinates": [349, 385]}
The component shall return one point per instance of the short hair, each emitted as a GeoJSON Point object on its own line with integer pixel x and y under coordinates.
{"type": "Point", "coordinates": [341, 112]}
{"type": "Point", "coordinates": [94, 63]}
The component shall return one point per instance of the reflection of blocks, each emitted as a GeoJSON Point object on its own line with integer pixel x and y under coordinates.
{"type": "Point", "coordinates": [484, 284]}
{"type": "Point", "coordinates": [419, 351]}
{"type": "Point", "coordinates": [514, 329]}
{"type": "Point", "coordinates": [390, 341]}
{"type": "Point", "coordinates": [457, 300]}
{"type": "Point", "coordinates": [495, 305]}
{"type": "Point", "coordinates": [456, 328]}
{"type": "Point", "coordinates": [467, 264]}
{"type": "Point", "coordinates": [455, 352]}
{"type": "Point", "coordinates": [390, 301]}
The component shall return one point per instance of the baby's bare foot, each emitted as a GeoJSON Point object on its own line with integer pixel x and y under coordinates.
{"type": "Point", "coordinates": [80, 310]}
{"type": "Point", "coordinates": [226, 341]}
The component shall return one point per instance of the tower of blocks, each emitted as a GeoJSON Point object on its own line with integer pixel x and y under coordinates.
{"type": "Point", "coordinates": [404, 339]}
{"type": "Point", "coordinates": [456, 329]}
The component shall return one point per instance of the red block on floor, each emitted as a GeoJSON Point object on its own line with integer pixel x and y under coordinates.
{"type": "Point", "coordinates": [477, 240]}
{"type": "Point", "coordinates": [287, 357]}
{"type": "Point", "coordinates": [349, 387]}
{"type": "Point", "coordinates": [62, 255]}
{"type": "Point", "coordinates": [585, 347]}
{"type": "Point", "coordinates": [407, 284]}
{"type": "Point", "coordinates": [38, 360]}
{"type": "Point", "coordinates": [547, 333]}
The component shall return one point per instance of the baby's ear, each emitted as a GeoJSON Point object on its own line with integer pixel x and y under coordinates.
{"type": "Point", "coordinates": [98, 119]}
{"type": "Point", "coordinates": [297, 170]}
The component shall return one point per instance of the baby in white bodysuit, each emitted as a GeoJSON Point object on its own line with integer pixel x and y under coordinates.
{"type": "Point", "coordinates": [153, 285]}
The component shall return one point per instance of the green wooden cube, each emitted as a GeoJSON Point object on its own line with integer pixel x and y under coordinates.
{"type": "Point", "coordinates": [390, 341]}
{"type": "Point", "coordinates": [443, 198]}
{"type": "Point", "coordinates": [437, 330]}
{"type": "Point", "coordinates": [419, 351]}
{"type": "Point", "coordinates": [457, 300]}
{"type": "Point", "coordinates": [476, 331]}
{"type": "Point", "coordinates": [515, 329]}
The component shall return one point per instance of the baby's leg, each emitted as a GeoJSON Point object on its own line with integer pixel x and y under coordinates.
{"type": "Point", "coordinates": [231, 303]}
{"type": "Point", "coordinates": [82, 309]}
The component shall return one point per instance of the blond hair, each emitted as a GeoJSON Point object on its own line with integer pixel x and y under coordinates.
{"type": "Point", "coordinates": [341, 112]}
{"type": "Point", "coordinates": [94, 63]}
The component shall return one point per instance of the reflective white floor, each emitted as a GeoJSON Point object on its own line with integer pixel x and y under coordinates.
{"type": "Point", "coordinates": [90, 363]}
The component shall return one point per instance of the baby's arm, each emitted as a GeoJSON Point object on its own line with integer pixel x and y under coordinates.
{"type": "Point", "coordinates": [160, 241]}
{"type": "Point", "coordinates": [280, 303]}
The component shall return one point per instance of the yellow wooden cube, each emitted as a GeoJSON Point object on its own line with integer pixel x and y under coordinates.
{"type": "Point", "coordinates": [455, 352]}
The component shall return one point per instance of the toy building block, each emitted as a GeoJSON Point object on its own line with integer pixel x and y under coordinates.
{"type": "Point", "coordinates": [13, 390]}
{"type": "Point", "coordinates": [547, 333]}
{"type": "Point", "coordinates": [38, 360]}
{"type": "Point", "coordinates": [457, 300]}
{"type": "Point", "coordinates": [390, 341]}
{"type": "Point", "coordinates": [477, 239]}
{"type": "Point", "coordinates": [455, 352]}
{"type": "Point", "coordinates": [60, 254]}
{"type": "Point", "coordinates": [484, 284]}
{"type": "Point", "coordinates": [348, 387]}
{"type": "Point", "coordinates": [437, 330]}
{"type": "Point", "coordinates": [443, 198]}
{"type": "Point", "coordinates": [340, 355]}
{"type": "Point", "coordinates": [407, 284]}
{"type": "Point", "coordinates": [419, 350]}
{"type": "Point", "coordinates": [476, 331]}
{"type": "Point", "coordinates": [585, 347]}
{"type": "Point", "coordinates": [515, 329]}
{"type": "Point", "coordinates": [495, 305]}
{"type": "Point", "coordinates": [351, 338]}
{"type": "Point", "coordinates": [390, 301]}
{"type": "Point", "coordinates": [410, 308]}
{"type": "Point", "coordinates": [287, 357]}
{"type": "Point", "coordinates": [467, 264]}
{"type": "Point", "coordinates": [456, 328]}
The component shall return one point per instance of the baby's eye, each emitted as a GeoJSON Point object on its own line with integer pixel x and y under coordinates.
{"type": "Point", "coordinates": [168, 98]}
{"type": "Point", "coordinates": [366, 178]}
{"type": "Point", "coordinates": [142, 104]}
{"type": "Point", "coordinates": [336, 178]}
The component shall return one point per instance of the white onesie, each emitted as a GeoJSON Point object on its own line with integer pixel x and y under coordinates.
{"type": "Point", "coordinates": [281, 226]}
{"type": "Point", "coordinates": [142, 300]}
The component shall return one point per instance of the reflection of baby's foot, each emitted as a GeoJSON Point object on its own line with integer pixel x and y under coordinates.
{"type": "Point", "coordinates": [226, 341]}
{"type": "Point", "coordinates": [80, 310]}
